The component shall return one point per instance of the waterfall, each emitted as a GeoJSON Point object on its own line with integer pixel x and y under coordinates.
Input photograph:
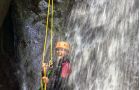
{"type": "Point", "coordinates": [104, 39]}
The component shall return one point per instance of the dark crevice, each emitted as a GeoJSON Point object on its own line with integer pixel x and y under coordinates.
{"type": "Point", "coordinates": [8, 63]}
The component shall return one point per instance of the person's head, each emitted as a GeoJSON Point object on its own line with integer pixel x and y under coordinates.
{"type": "Point", "coordinates": [62, 48]}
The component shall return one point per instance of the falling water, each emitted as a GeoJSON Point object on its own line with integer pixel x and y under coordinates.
{"type": "Point", "coordinates": [104, 39]}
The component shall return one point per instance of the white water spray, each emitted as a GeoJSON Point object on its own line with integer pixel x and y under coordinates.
{"type": "Point", "coordinates": [104, 38]}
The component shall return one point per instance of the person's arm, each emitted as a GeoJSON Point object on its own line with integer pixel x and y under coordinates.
{"type": "Point", "coordinates": [45, 69]}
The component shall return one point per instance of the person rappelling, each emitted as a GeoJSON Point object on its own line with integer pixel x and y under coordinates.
{"type": "Point", "coordinates": [58, 72]}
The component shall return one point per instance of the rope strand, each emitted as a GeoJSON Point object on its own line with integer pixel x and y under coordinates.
{"type": "Point", "coordinates": [51, 53]}
{"type": "Point", "coordinates": [43, 85]}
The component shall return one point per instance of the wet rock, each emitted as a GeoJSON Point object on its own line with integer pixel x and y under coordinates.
{"type": "Point", "coordinates": [29, 19]}
{"type": "Point", "coordinates": [4, 7]}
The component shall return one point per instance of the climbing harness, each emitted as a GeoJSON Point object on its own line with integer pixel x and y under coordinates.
{"type": "Point", "coordinates": [43, 85]}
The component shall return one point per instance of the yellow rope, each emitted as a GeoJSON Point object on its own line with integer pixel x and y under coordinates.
{"type": "Point", "coordinates": [51, 51]}
{"type": "Point", "coordinates": [45, 41]}
{"type": "Point", "coordinates": [44, 49]}
{"type": "Point", "coordinates": [43, 85]}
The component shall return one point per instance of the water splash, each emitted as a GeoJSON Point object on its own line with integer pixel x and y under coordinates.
{"type": "Point", "coordinates": [104, 36]}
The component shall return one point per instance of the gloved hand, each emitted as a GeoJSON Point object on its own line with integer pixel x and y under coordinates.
{"type": "Point", "coordinates": [45, 66]}
{"type": "Point", "coordinates": [45, 80]}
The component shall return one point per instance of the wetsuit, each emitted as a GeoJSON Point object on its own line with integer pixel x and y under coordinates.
{"type": "Point", "coordinates": [58, 75]}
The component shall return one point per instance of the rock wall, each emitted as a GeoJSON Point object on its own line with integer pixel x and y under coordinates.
{"type": "Point", "coordinates": [29, 20]}
{"type": "Point", "coordinates": [4, 6]}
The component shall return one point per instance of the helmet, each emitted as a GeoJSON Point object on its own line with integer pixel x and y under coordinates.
{"type": "Point", "coordinates": [63, 44]}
